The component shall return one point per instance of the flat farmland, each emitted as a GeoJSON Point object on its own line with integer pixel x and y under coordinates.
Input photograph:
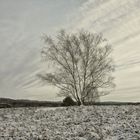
{"type": "Point", "coordinates": [71, 123]}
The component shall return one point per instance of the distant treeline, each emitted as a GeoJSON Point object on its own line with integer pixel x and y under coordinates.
{"type": "Point", "coordinates": [113, 103]}
{"type": "Point", "coordinates": [7, 102]}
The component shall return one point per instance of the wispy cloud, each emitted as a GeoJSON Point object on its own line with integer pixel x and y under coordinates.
{"type": "Point", "coordinates": [23, 23]}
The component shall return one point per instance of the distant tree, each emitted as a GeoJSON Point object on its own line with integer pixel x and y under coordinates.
{"type": "Point", "coordinates": [83, 65]}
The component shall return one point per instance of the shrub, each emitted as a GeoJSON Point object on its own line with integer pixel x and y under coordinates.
{"type": "Point", "coordinates": [68, 101]}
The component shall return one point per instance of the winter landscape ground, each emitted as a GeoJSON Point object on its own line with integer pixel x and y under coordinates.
{"type": "Point", "coordinates": [71, 123]}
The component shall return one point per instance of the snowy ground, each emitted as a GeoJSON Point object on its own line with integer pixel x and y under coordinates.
{"type": "Point", "coordinates": [71, 123]}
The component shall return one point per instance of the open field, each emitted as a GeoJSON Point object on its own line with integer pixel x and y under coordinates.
{"type": "Point", "coordinates": [71, 123]}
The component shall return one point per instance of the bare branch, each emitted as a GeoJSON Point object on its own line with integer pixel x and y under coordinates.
{"type": "Point", "coordinates": [84, 64]}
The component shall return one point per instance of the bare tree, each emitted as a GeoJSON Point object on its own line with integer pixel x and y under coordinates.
{"type": "Point", "coordinates": [84, 65]}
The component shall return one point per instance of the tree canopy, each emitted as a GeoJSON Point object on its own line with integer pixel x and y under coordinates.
{"type": "Point", "coordinates": [82, 62]}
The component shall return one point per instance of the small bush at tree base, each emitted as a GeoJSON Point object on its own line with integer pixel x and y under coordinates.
{"type": "Point", "coordinates": [68, 101]}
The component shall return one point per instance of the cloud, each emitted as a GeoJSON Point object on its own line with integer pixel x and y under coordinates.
{"type": "Point", "coordinates": [23, 23]}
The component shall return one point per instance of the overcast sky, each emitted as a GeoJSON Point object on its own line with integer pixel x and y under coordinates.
{"type": "Point", "coordinates": [23, 22]}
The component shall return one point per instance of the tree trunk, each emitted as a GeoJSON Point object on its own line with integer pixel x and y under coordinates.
{"type": "Point", "coordinates": [82, 101]}
{"type": "Point", "coordinates": [79, 103]}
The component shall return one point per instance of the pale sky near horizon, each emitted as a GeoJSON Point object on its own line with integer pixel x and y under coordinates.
{"type": "Point", "coordinates": [23, 22]}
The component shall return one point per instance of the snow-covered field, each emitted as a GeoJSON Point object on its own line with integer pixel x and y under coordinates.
{"type": "Point", "coordinates": [71, 123]}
